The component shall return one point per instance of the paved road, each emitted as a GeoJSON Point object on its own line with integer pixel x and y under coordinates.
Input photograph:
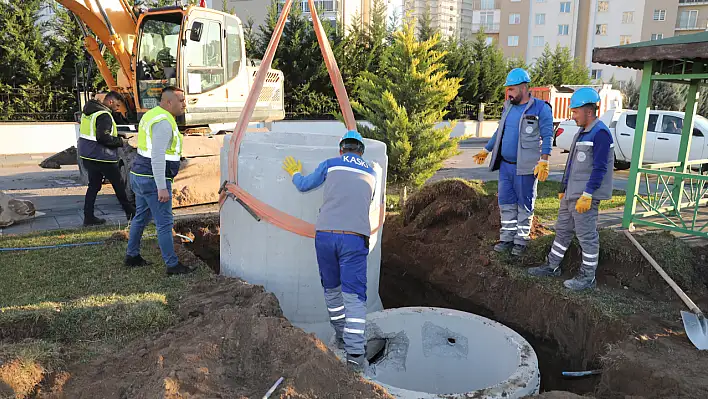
{"type": "Point", "coordinates": [60, 196]}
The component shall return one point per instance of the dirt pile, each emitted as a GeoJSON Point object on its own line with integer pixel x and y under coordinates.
{"type": "Point", "coordinates": [438, 253]}
{"type": "Point", "coordinates": [232, 342]}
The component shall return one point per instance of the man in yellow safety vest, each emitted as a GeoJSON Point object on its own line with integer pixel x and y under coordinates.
{"type": "Point", "coordinates": [153, 170]}
{"type": "Point", "coordinates": [98, 149]}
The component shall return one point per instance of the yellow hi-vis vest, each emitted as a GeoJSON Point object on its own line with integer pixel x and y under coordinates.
{"type": "Point", "coordinates": [91, 149]}
{"type": "Point", "coordinates": [157, 114]}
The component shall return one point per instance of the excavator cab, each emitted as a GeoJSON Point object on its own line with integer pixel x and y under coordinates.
{"type": "Point", "coordinates": [202, 51]}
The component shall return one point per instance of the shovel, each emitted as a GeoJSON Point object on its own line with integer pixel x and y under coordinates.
{"type": "Point", "coordinates": [694, 322]}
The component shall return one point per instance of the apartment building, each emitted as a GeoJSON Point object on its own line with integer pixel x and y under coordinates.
{"type": "Point", "coordinates": [336, 12]}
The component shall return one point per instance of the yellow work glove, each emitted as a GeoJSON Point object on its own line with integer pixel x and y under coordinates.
{"type": "Point", "coordinates": [291, 166]}
{"type": "Point", "coordinates": [481, 156]}
{"type": "Point", "coordinates": [584, 203]}
{"type": "Point", "coordinates": [542, 169]}
{"type": "Point", "coordinates": [560, 196]}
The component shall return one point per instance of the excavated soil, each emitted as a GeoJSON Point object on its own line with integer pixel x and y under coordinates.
{"type": "Point", "coordinates": [438, 253]}
{"type": "Point", "coordinates": [232, 341]}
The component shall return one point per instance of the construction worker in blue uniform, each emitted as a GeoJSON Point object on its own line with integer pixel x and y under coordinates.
{"type": "Point", "coordinates": [587, 181]}
{"type": "Point", "coordinates": [342, 236]}
{"type": "Point", "coordinates": [520, 150]}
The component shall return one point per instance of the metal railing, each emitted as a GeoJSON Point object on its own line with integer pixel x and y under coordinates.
{"type": "Point", "coordinates": [487, 27]}
{"type": "Point", "coordinates": [677, 198]}
{"type": "Point", "coordinates": [53, 104]}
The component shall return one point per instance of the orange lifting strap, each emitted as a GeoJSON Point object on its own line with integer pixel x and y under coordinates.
{"type": "Point", "coordinates": [256, 207]}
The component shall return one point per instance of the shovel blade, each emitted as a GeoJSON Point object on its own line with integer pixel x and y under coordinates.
{"type": "Point", "coordinates": [696, 329]}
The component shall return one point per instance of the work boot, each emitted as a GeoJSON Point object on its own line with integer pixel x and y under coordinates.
{"type": "Point", "coordinates": [93, 221]}
{"type": "Point", "coordinates": [518, 250]}
{"type": "Point", "coordinates": [179, 269]}
{"type": "Point", "coordinates": [136, 261]}
{"type": "Point", "coordinates": [339, 342]}
{"type": "Point", "coordinates": [584, 280]}
{"type": "Point", "coordinates": [356, 363]}
{"type": "Point", "coordinates": [545, 270]}
{"type": "Point", "coordinates": [504, 246]}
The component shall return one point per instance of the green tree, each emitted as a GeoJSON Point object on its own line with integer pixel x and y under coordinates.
{"type": "Point", "coordinates": [405, 104]}
{"type": "Point", "coordinates": [558, 67]}
{"type": "Point", "coordinates": [250, 38]}
{"type": "Point", "coordinates": [425, 26]}
{"type": "Point", "coordinates": [664, 96]}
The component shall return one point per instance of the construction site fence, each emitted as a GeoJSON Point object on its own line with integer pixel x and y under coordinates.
{"type": "Point", "coordinates": [50, 104]}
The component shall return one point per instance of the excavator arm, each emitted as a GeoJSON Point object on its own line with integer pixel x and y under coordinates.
{"type": "Point", "coordinates": [114, 24]}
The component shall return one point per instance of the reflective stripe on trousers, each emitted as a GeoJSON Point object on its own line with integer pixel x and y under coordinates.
{"type": "Point", "coordinates": [584, 225]}
{"type": "Point", "coordinates": [517, 198]}
{"type": "Point", "coordinates": [342, 263]}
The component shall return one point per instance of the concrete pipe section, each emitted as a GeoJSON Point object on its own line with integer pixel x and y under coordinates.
{"type": "Point", "coordinates": [434, 352]}
{"type": "Point", "coordinates": [283, 262]}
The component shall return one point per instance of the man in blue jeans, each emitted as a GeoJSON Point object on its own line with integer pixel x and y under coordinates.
{"type": "Point", "coordinates": [342, 239]}
{"type": "Point", "coordinates": [151, 175]}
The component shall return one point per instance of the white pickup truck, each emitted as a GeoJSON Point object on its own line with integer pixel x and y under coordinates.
{"type": "Point", "coordinates": [663, 136]}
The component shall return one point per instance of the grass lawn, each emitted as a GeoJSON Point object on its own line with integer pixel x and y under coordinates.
{"type": "Point", "coordinates": [78, 301]}
{"type": "Point", "coordinates": [547, 202]}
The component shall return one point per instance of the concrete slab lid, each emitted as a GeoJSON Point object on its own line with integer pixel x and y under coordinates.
{"type": "Point", "coordinates": [429, 327]}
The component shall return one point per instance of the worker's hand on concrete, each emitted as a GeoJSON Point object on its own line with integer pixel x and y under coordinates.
{"type": "Point", "coordinates": [291, 166]}
{"type": "Point", "coordinates": [584, 203]}
{"type": "Point", "coordinates": [481, 156]}
{"type": "Point", "coordinates": [560, 196]}
{"type": "Point", "coordinates": [163, 195]}
{"type": "Point", "coordinates": [542, 169]}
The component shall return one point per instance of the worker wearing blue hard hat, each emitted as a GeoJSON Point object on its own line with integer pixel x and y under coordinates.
{"type": "Point", "coordinates": [587, 180]}
{"type": "Point", "coordinates": [342, 236]}
{"type": "Point", "coordinates": [520, 150]}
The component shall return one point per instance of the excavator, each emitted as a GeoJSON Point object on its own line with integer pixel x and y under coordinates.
{"type": "Point", "coordinates": [198, 49]}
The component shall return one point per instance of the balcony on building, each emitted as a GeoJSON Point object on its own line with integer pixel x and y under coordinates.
{"type": "Point", "coordinates": [321, 5]}
{"type": "Point", "coordinates": [487, 27]}
{"type": "Point", "coordinates": [692, 20]}
{"type": "Point", "coordinates": [487, 5]}
{"type": "Point", "coordinates": [685, 3]}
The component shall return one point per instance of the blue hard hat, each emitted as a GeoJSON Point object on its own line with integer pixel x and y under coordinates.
{"type": "Point", "coordinates": [353, 135]}
{"type": "Point", "coordinates": [584, 96]}
{"type": "Point", "coordinates": [517, 76]}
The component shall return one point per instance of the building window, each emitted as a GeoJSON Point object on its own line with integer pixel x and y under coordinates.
{"type": "Point", "coordinates": [563, 30]}
{"type": "Point", "coordinates": [628, 17]}
{"type": "Point", "coordinates": [601, 29]}
{"type": "Point", "coordinates": [596, 74]}
{"type": "Point", "coordinates": [659, 15]}
{"type": "Point", "coordinates": [513, 41]}
{"type": "Point", "coordinates": [540, 19]}
{"type": "Point", "coordinates": [489, 41]}
{"type": "Point", "coordinates": [539, 41]}
{"type": "Point", "coordinates": [565, 7]}
{"type": "Point", "coordinates": [487, 5]}
{"type": "Point", "coordinates": [625, 39]}
{"type": "Point", "coordinates": [603, 6]}
{"type": "Point", "coordinates": [514, 19]}
{"type": "Point", "coordinates": [540, 1]}
{"type": "Point", "coordinates": [688, 19]}
{"type": "Point", "coordinates": [657, 36]}
{"type": "Point", "coordinates": [486, 20]}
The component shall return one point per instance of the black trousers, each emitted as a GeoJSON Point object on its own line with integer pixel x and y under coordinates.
{"type": "Point", "coordinates": [96, 172]}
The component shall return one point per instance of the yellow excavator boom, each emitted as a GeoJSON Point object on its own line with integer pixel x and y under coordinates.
{"type": "Point", "coordinates": [114, 23]}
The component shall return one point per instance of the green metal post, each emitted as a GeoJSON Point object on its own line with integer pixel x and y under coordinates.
{"type": "Point", "coordinates": [685, 147]}
{"type": "Point", "coordinates": [640, 132]}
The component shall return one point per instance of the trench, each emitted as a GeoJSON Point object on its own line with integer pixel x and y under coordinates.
{"type": "Point", "coordinates": [405, 290]}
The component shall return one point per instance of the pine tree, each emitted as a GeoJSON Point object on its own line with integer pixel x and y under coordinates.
{"type": "Point", "coordinates": [250, 38]}
{"type": "Point", "coordinates": [425, 26]}
{"type": "Point", "coordinates": [558, 67]}
{"type": "Point", "coordinates": [664, 96]}
{"type": "Point", "coordinates": [406, 103]}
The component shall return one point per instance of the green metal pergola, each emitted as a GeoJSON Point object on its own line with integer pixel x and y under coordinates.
{"type": "Point", "coordinates": [676, 192]}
